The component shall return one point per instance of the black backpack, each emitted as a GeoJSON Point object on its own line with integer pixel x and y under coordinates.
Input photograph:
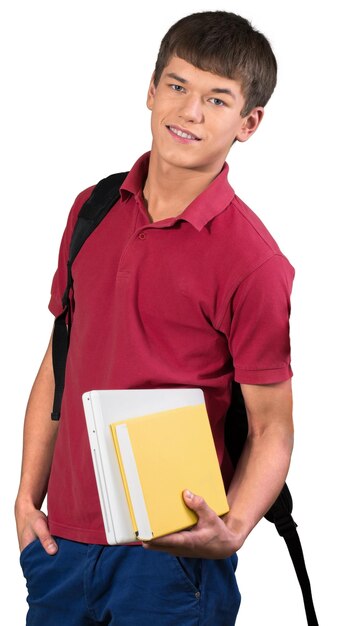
{"type": "Point", "coordinates": [103, 197]}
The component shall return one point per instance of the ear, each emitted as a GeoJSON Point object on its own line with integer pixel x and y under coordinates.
{"type": "Point", "coordinates": [151, 93]}
{"type": "Point", "coordinates": [250, 124]}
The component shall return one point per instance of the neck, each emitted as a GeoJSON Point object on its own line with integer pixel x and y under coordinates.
{"type": "Point", "coordinates": [169, 189]}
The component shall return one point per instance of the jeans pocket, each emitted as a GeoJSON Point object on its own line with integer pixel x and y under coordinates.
{"type": "Point", "coordinates": [27, 550]}
{"type": "Point", "coordinates": [190, 569]}
{"type": "Point", "coordinates": [234, 561]}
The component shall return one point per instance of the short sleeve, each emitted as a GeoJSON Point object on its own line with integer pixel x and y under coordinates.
{"type": "Point", "coordinates": [258, 324]}
{"type": "Point", "coordinates": [59, 282]}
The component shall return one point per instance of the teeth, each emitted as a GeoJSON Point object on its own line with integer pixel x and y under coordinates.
{"type": "Point", "coordinates": [181, 134]}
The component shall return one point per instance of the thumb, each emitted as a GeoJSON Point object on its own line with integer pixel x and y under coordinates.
{"type": "Point", "coordinates": [196, 503]}
{"type": "Point", "coordinates": [43, 534]}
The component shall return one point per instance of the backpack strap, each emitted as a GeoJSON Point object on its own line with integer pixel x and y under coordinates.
{"type": "Point", "coordinates": [103, 197]}
{"type": "Point", "coordinates": [236, 430]}
{"type": "Point", "coordinates": [280, 515]}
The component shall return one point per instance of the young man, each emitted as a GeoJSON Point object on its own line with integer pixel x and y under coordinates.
{"type": "Point", "coordinates": [180, 285]}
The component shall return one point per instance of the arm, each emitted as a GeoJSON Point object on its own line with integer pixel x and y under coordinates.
{"type": "Point", "coordinates": [257, 481]}
{"type": "Point", "coordinates": [264, 463]}
{"type": "Point", "coordinates": [38, 447]}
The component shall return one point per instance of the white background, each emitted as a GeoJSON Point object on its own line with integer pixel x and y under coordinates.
{"type": "Point", "coordinates": [74, 76]}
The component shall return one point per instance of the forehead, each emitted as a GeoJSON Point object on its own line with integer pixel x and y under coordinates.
{"type": "Point", "coordinates": [196, 77]}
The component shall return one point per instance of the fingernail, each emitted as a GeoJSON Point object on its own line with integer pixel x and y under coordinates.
{"type": "Point", "coordinates": [189, 495]}
{"type": "Point", "coordinates": [52, 548]}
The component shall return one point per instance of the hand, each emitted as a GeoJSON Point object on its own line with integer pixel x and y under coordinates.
{"type": "Point", "coordinates": [32, 524]}
{"type": "Point", "coordinates": [210, 538]}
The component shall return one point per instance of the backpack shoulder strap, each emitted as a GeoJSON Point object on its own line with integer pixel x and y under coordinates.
{"type": "Point", "coordinates": [280, 515]}
{"type": "Point", "coordinates": [236, 430]}
{"type": "Point", "coordinates": [103, 197]}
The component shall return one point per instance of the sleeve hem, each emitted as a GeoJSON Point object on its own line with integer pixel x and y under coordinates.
{"type": "Point", "coordinates": [54, 306]}
{"type": "Point", "coordinates": [263, 377]}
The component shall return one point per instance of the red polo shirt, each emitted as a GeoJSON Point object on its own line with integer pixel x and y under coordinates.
{"type": "Point", "coordinates": [191, 301]}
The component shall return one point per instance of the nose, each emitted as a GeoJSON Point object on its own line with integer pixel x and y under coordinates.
{"type": "Point", "coordinates": [191, 110]}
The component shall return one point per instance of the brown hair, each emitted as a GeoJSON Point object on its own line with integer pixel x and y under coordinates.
{"type": "Point", "coordinates": [225, 44]}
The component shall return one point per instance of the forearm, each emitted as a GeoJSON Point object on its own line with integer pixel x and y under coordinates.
{"type": "Point", "coordinates": [38, 439]}
{"type": "Point", "coordinates": [264, 463]}
{"type": "Point", "coordinates": [258, 479]}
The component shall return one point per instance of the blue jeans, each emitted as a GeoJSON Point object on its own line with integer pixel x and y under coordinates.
{"type": "Point", "coordinates": [93, 585]}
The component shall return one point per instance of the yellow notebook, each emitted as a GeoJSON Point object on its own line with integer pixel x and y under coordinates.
{"type": "Point", "coordinates": [160, 455]}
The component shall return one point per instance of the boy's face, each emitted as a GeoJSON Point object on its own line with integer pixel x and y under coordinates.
{"type": "Point", "coordinates": [196, 117]}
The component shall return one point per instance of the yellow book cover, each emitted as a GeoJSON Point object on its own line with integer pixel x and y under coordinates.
{"type": "Point", "coordinates": [160, 455]}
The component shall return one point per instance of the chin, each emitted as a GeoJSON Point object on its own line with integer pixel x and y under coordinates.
{"type": "Point", "coordinates": [183, 161]}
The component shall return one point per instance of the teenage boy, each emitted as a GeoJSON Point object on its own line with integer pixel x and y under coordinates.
{"type": "Point", "coordinates": [180, 285]}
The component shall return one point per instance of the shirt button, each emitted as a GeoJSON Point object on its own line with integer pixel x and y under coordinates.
{"type": "Point", "coordinates": [197, 595]}
{"type": "Point", "coordinates": [141, 236]}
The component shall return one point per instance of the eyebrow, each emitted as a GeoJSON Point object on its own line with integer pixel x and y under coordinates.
{"type": "Point", "coordinates": [217, 90]}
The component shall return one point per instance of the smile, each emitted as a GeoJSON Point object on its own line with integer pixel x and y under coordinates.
{"type": "Point", "coordinates": [183, 134]}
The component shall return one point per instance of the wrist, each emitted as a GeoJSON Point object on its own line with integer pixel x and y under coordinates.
{"type": "Point", "coordinates": [24, 504]}
{"type": "Point", "coordinates": [237, 528]}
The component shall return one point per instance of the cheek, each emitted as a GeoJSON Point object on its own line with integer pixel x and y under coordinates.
{"type": "Point", "coordinates": [220, 138]}
{"type": "Point", "coordinates": [159, 118]}
{"type": "Point", "coordinates": [157, 125]}
{"type": "Point", "coordinates": [225, 134]}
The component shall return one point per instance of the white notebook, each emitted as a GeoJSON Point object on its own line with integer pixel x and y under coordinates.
{"type": "Point", "coordinates": [105, 407]}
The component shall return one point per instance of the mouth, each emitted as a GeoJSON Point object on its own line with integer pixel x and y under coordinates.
{"type": "Point", "coordinates": [182, 134]}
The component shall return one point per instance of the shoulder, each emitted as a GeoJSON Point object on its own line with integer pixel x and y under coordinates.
{"type": "Point", "coordinates": [72, 219]}
{"type": "Point", "coordinates": [243, 244]}
{"type": "Point", "coordinates": [80, 199]}
{"type": "Point", "coordinates": [248, 227]}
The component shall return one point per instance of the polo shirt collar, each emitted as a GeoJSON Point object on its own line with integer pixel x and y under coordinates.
{"type": "Point", "coordinates": [212, 201]}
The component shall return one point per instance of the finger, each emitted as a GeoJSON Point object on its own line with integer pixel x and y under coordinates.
{"type": "Point", "coordinates": [199, 506]}
{"type": "Point", "coordinates": [27, 537]}
{"type": "Point", "coordinates": [181, 538]}
{"type": "Point", "coordinates": [42, 532]}
{"type": "Point", "coordinates": [175, 549]}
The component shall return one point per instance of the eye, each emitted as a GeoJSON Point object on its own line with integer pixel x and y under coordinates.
{"type": "Point", "coordinates": [178, 88]}
{"type": "Point", "coordinates": [217, 102]}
